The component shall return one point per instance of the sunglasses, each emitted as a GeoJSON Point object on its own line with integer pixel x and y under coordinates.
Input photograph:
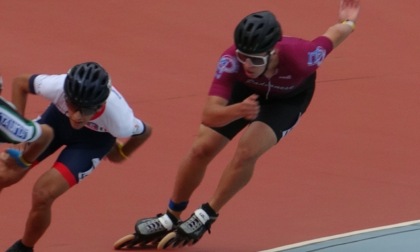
{"type": "Point", "coordinates": [84, 111]}
{"type": "Point", "coordinates": [254, 59]}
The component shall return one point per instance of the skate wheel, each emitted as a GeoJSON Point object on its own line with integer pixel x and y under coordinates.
{"type": "Point", "coordinates": [166, 241]}
{"type": "Point", "coordinates": [124, 241]}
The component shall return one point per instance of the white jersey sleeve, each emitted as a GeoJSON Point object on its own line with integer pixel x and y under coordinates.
{"type": "Point", "coordinates": [50, 86]}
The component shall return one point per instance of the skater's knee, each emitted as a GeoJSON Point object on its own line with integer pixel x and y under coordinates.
{"type": "Point", "coordinates": [199, 151]}
{"type": "Point", "coordinates": [7, 179]}
{"type": "Point", "coordinates": [3, 181]}
{"type": "Point", "coordinates": [245, 155]}
{"type": "Point", "coordinates": [42, 197]}
{"type": "Point", "coordinates": [204, 150]}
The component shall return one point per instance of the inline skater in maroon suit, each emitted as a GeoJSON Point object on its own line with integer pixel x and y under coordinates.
{"type": "Point", "coordinates": [263, 85]}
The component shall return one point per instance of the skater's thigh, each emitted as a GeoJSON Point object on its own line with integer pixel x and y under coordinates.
{"type": "Point", "coordinates": [209, 141]}
{"type": "Point", "coordinates": [50, 186]}
{"type": "Point", "coordinates": [257, 139]}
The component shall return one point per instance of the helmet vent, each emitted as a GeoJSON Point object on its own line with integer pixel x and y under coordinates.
{"type": "Point", "coordinates": [87, 85]}
{"type": "Point", "coordinates": [257, 33]}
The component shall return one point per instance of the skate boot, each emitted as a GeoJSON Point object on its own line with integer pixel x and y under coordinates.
{"type": "Point", "coordinates": [19, 247]}
{"type": "Point", "coordinates": [190, 231]}
{"type": "Point", "coordinates": [148, 232]}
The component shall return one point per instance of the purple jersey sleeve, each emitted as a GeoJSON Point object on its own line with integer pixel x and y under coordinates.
{"type": "Point", "coordinates": [304, 57]}
{"type": "Point", "coordinates": [226, 73]}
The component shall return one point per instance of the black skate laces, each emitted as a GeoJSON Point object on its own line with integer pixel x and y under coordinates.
{"type": "Point", "coordinates": [161, 223]}
{"type": "Point", "coordinates": [154, 225]}
{"type": "Point", "coordinates": [198, 219]}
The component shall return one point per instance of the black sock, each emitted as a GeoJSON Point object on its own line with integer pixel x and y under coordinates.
{"type": "Point", "coordinates": [22, 247]}
{"type": "Point", "coordinates": [172, 217]}
{"type": "Point", "coordinates": [210, 211]}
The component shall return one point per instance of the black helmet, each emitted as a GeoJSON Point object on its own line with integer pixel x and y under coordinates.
{"type": "Point", "coordinates": [87, 85]}
{"type": "Point", "coordinates": [257, 33]}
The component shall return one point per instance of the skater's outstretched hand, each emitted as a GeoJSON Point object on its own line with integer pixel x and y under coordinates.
{"type": "Point", "coordinates": [349, 10]}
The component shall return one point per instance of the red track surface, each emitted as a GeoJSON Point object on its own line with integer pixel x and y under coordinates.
{"type": "Point", "coordinates": [352, 163]}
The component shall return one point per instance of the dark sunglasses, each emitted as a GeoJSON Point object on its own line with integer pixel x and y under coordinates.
{"type": "Point", "coordinates": [83, 110]}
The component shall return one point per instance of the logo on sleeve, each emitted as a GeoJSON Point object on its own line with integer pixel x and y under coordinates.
{"type": "Point", "coordinates": [11, 126]}
{"type": "Point", "coordinates": [227, 64]}
{"type": "Point", "coordinates": [317, 56]}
